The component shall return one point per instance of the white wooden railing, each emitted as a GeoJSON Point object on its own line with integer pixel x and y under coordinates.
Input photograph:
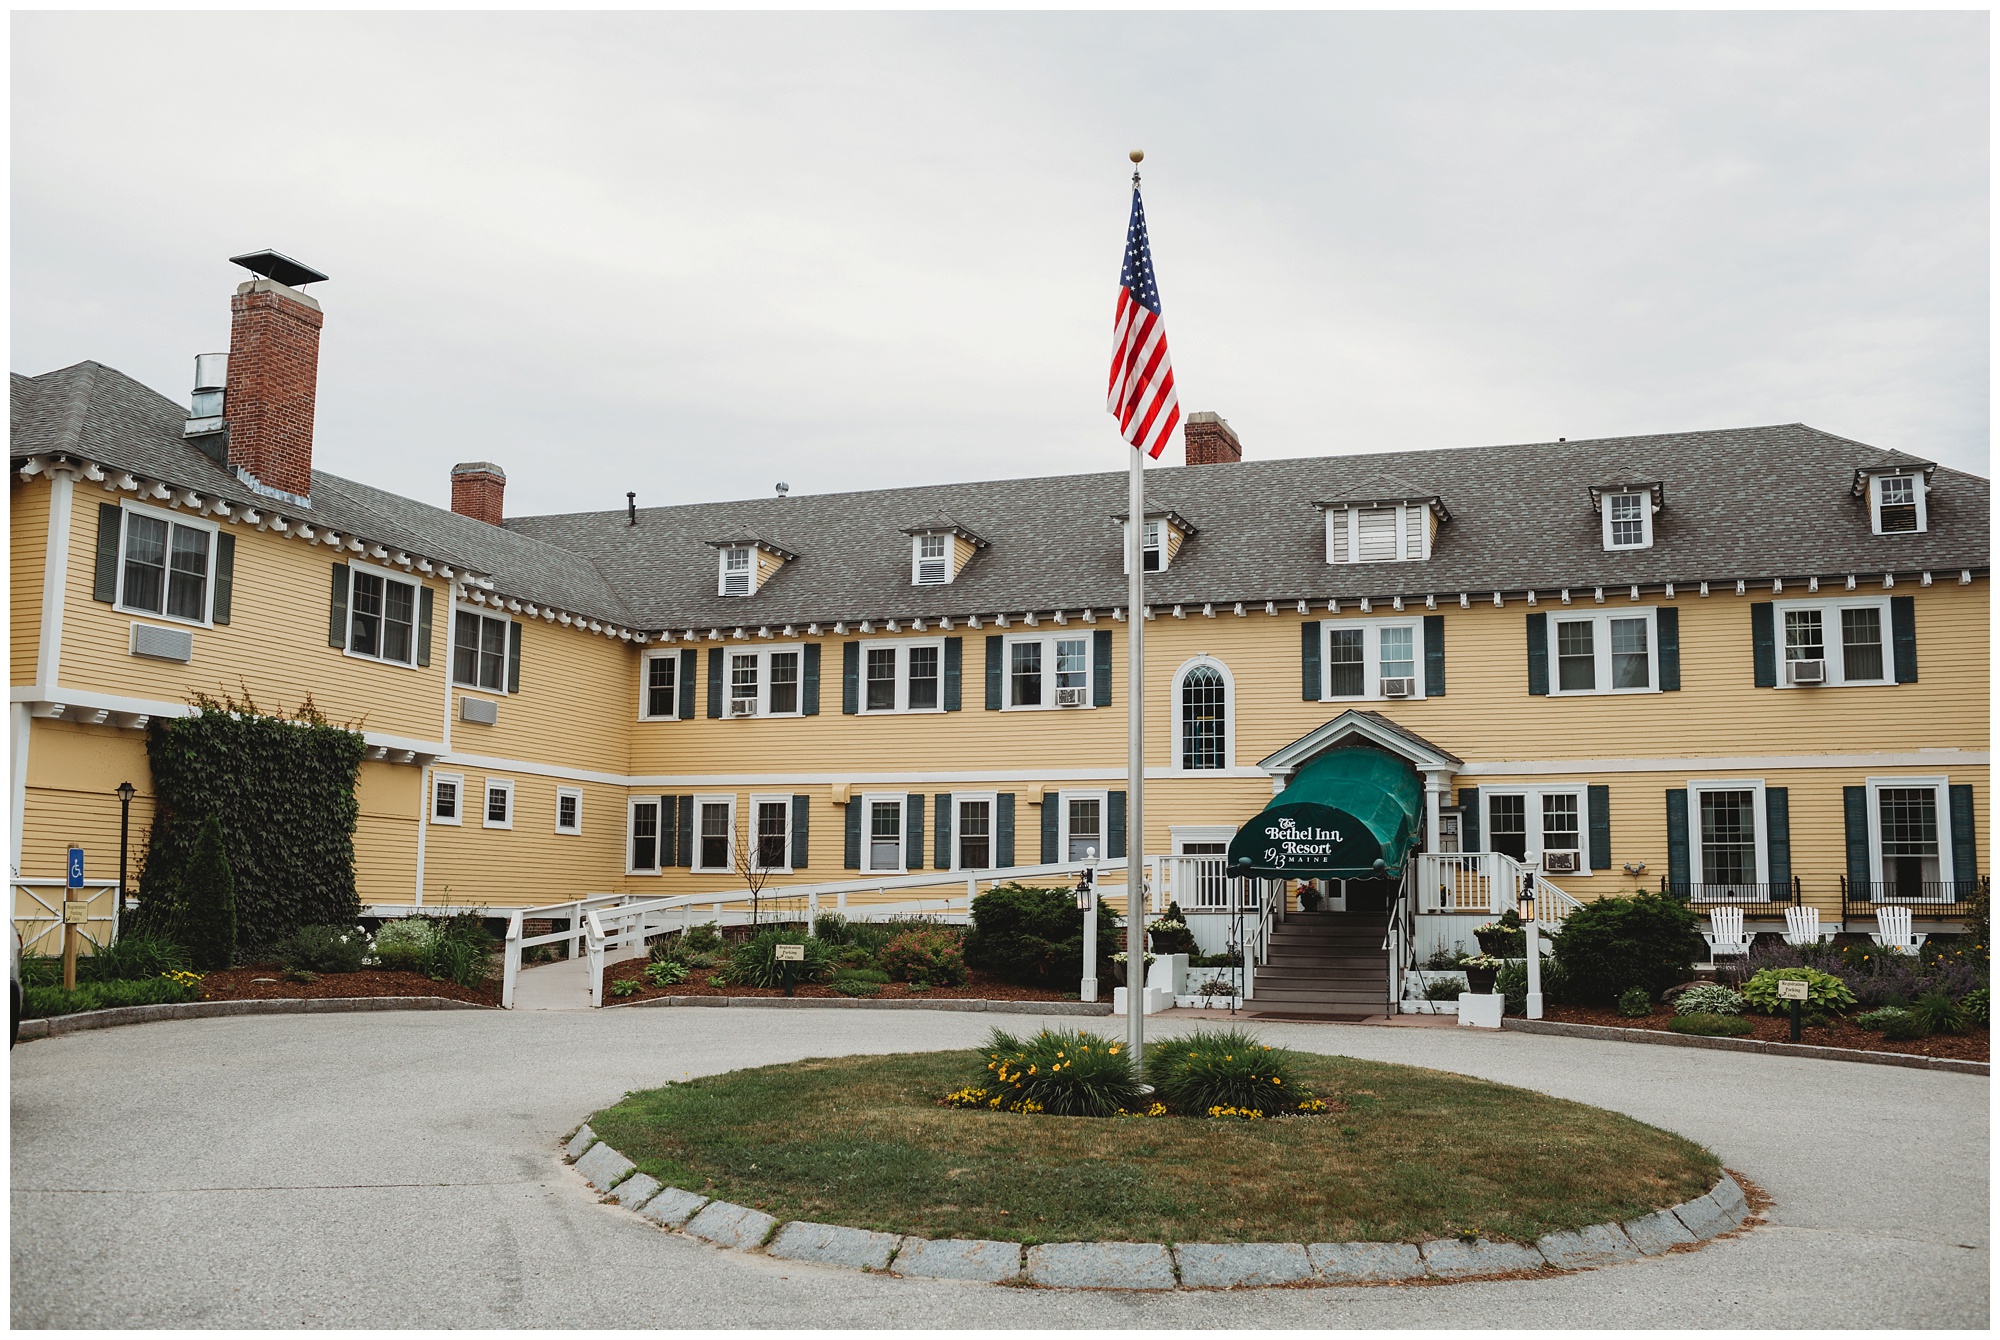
{"type": "Point", "coordinates": [1487, 883]}
{"type": "Point", "coordinates": [38, 913]}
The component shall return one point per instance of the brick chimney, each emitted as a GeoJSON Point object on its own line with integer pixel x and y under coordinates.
{"type": "Point", "coordinates": [476, 490]}
{"type": "Point", "coordinates": [1210, 440]}
{"type": "Point", "coordinates": [273, 384]}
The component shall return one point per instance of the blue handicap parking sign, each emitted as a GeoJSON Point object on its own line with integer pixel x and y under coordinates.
{"type": "Point", "coordinates": [76, 867]}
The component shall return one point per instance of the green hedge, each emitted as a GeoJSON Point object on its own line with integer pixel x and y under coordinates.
{"type": "Point", "coordinates": [41, 1002]}
{"type": "Point", "coordinates": [1034, 937]}
{"type": "Point", "coordinates": [281, 791]}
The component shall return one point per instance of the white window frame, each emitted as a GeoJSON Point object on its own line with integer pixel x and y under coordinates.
{"type": "Point", "coordinates": [869, 801]}
{"type": "Point", "coordinates": [1645, 498]}
{"type": "Point", "coordinates": [1228, 718]}
{"type": "Point", "coordinates": [902, 647]}
{"type": "Point", "coordinates": [723, 570]}
{"type": "Point", "coordinates": [632, 804]}
{"type": "Point", "coordinates": [1371, 656]}
{"type": "Point", "coordinates": [487, 787]}
{"type": "Point", "coordinates": [645, 690]}
{"type": "Point", "coordinates": [1103, 799]}
{"type": "Point", "coordinates": [1413, 529]}
{"type": "Point", "coordinates": [1832, 639]}
{"type": "Point", "coordinates": [917, 558]}
{"type": "Point", "coordinates": [1155, 541]}
{"type": "Point", "coordinates": [694, 857]}
{"type": "Point", "coordinates": [1922, 490]}
{"type": "Point", "coordinates": [172, 519]}
{"type": "Point", "coordinates": [457, 779]}
{"type": "Point", "coordinates": [569, 793]}
{"type": "Point", "coordinates": [388, 575]}
{"type": "Point", "coordinates": [958, 798]}
{"type": "Point", "coordinates": [1939, 784]}
{"type": "Point", "coordinates": [506, 646]}
{"type": "Point", "coordinates": [763, 655]}
{"type": "Point", "coordinates": [1049, 638]}
{"type": "Point", "coordinates": [1600, 646]}
{"type": "Point", "coordinates": [760, 799]}
{"type": "Point", "coordinates": [1534, 796]}
{"type": "Point", "coordinates": [1758, 813]}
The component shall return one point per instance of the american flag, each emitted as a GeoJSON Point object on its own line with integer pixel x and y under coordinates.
{"type": "Point", "coordinates": [1142, 376]}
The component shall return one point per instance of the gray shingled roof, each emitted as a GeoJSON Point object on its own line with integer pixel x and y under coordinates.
{"type": "Point", "coordinates": [1752, 503]}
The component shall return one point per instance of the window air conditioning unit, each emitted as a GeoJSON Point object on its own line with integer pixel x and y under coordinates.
{"type": "Point", "coordinates": [482, 711]}
{"type": "Point", "coordinates": [1807, 672]}
{"type": "Point", "coordinates": [743, 707]}
{"type": "Point", "coordinates": [1559, 862]}
{"type": "Point", "coordinates": [1069, 697]}
{"type": "Point", "coordinates": [1405, 687]}
{"type": "Point", "coordinates": [162, 644]}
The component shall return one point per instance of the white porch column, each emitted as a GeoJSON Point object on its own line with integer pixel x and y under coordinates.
{"type": "Point", "coordinates": [1435, 788]}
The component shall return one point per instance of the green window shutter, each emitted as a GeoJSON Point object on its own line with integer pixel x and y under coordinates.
{"type": "Point", "coordinates": [1114, 826]}
{"type": "Point", "coordinates": [1678, 876]}
{"type": "Point", "coordinates": [1670, 648]}
{"type": "Point", "coordinates": [1100, 668]}
{"type": "Point", "coordinates": [801, 831]}
{"type": "Point", "coordinates": [685, 678]}
{"type": "Point", "coordinates": [1599, 801]}
{"type": "Point", "coordinates": [1538, 654]}
{"type": "Point", "coordinates": [995, 653]}
{"type": "Point", "coordinates": [1468, 818]}
{"type": "Point", "coordinates": [426, 617]}
{"type": "Point", "coordinates": [913, 839]}
{"type": "Point", "coordinates": [715, 681]}
{"type": "Point", "coordinates": [1763, 645]}
{"type": "Point", "coordinates": [668, 830]}
{"type": "Point", "coordinates": [1854, 804]}
{"type": "Point", "coordinates": [684, 823]}
{"type": "Point", "coordinates": [1778, 833]}
{"type": "Point", "coordinates": [513, 656]}
{"type": "Point", "coordinates": [1964, 837]}
{"type": "Point", "coordinates": [1309, 682]}
{"type": "Point", "coordinates": [1434, 656]}
{"type": "Point", "coordinates": [850, 677]}
{"type": "Point", "coordinates": [851, 856]}
{"type": "Point", "coordinates": [225, 585]}
{"type": "Point", "coordinates": [1003, 829]}
{"type": "Point", "coordinates": [1051, 818]}
{"type": "Point", "coordinates": [943, 829]}
{"type": "Point", "coordinates": [954, 675]}
{"type": "Point", "coordinates": [1903, 637]}
{"type": "Point", "coordinates": [809, 681]}
{"type": "Point", "coordinates": [110, 516]}
{"type": "Point", "coordinates": [336, 618]}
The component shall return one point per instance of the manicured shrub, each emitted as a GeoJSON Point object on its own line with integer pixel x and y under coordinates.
{"type": "Point", "coordinates": [1939, 1013]}
{"type": "Point", "coordinates": [207, 911]}
{"type": "Point", "coordinates": [928, 955]}
{"type": "Point", "coordinates": [1058, 1071]}
{"type": "Point", "coordinates": [755, 961]}
{"type": "Point", "coordinates": [1710, 1025]}
{"type": "Point", "coordinates": [1824, 990]}
{"type": "Point", "coordinates": [1978, 1006]}
{"type": "Point", "coordinates": [1610, 945]}
{"type": "Point", "coordinates": [1636, 1003]}
{"type": "Point", "coordinates": [1216, 1072]}
{"type": "Point", "coordinates": [1875, 1019]}
{"type": "Point", "coordinates": [324, 949]}
{"type": "Point", "coordinates": [1708, 998]}
{"type": "Point", "coordinates": [404, 945]}
{"type": "Point", "coordinates": [1034, 936]}
{"type": "Point", "coordinates": [42, 1002]}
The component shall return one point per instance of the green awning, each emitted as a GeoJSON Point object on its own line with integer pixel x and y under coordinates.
{"type": "Point", "coordinates": [1342, 812]}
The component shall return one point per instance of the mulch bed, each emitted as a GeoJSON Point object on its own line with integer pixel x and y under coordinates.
{"type": "Point", "coordinates": [1971, 1045]}
{"type": "Point", "coordinates": [266, 981]}
{"type": "Point", "coordinates": [979, 986]}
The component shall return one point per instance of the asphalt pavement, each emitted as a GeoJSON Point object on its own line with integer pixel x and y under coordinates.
{"type": "Point", "coordinates": [401, 1170]}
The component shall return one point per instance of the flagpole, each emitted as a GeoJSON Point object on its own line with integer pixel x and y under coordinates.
{"type": "Point", "coordinates": [1135, 751]}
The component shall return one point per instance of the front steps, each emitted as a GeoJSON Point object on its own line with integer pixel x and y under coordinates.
{"type": "Point", "coordinates": [1325, 965]}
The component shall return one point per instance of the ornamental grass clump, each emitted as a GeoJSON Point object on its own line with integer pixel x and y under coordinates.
{"type": "Point", "coordinates": [1061, 1072]}
{"type": "Point", "coordinates": [1226, 1073]}
{"type": "Point", "coordinates": [755, 961]}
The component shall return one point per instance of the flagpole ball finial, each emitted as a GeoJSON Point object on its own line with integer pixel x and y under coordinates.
{"type": "Point", "coordinates": [1137, 155]}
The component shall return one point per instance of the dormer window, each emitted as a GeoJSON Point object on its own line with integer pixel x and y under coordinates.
{"type": "Point", "coordinates": [1899, 504]}
{"type": "Point", "coordinates": [1154, 549]}
{"type": "Point", "coordinates": [1159, 544]}
{"type": "Point", "coordinates": [939, 550]}
{"type": "Point", "coordinates": [933, 560]}
{"type": "Point", "coordinates": [736, 572]}
{"type": "Point", "coordinates": [745, 561]}
{"type": "Point", "coordinates": [1382, 532]}
{"type": "Point", "coordinates": [1628, 521]}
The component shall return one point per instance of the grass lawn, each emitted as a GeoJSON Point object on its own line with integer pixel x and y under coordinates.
{"type": "Point", "coordinates": [1413, 1154]}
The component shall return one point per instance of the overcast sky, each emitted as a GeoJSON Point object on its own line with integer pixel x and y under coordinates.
{"type": "Point", "coordinates": [692, 255]}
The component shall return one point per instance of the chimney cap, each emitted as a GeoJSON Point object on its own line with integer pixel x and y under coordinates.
{"type": "Point", "coordinates": [275, 265]}
{"type": "Point", "coordinates": [478, 468]}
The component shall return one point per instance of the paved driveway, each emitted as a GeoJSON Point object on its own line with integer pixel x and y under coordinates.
{"type": "Point", "coordinates": [391, 1170]}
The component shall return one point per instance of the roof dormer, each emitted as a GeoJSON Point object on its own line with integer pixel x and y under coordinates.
{"type": "Point", "coordinates": [1166, 532]}
{"type": "Point", "coordinates": [745, 561]}
{"type": "Point", "coordinates": [1382, 530]}
{"type": "Point", "coordinates": [1625, 512]}
{"type": "Point", "coordinates": [939, 550]}
{"type": "Point", "coordinates": [1898, 496]}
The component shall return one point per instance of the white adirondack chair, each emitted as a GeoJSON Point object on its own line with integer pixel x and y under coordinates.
{"type": "Point", "coordinates": [1802, 926]}
{"type": "Point", "coordinates": [1725, 933]}
{"type": "Point", "coordinates": [1892, 931]}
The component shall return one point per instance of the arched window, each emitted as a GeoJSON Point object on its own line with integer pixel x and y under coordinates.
{"type": "Point", "coordinates": [1204, 718]}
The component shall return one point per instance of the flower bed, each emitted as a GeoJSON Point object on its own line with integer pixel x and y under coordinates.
{"type": "Point", "coordinates": [979, 986]}
{"type": "Point", "coordinates": [267, 982]}
{"type": "Point", "coordinates": [1972, 1045]}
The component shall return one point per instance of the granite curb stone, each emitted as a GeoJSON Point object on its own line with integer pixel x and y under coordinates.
{"type": "Point", "coordinates": [728, 1225]}
{"type": "Point", "coordinates": [1656, 1232]}
{"type": "Point", "coordinates": [579, 1143]}
{"type": "Point", "coordinates": [672, 1207]}
{"type": "Point", "coordinates": [1101, 1265]}
{"type": "Point", "coordinates": [636, 1190]}
{"type": "Point", "coordinates": [1365, 1262]}
{"type": "Point", "coordinates": [84, 1021]}
{"type": "Point", "coordinates": [1728, 1193]}
{"type": "Point", "coordinates": [1598, 1245]}
{"type": "Point", "coordinates": [1065, 1007]}
{"type": "Point", "coordinates": [959, 1259]}
{"type": "Point", "coordinates": [833, 1245]}
{"type": "Point", "coordinates": [1229, 1265]}
{"type": "Point", "coordinates": [602, 1166]}
{"type": "Point", "coordinates": [1449, 1258]}
{"type": "Point", "coordinates": [1704, 1218]}
{"type": "Point", "coordinates": [1606, 1033]}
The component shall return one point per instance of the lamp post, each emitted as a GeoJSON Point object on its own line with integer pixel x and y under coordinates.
{"type": "Point", "coordinates": [1534, 933]}
{"type": "Point", "coordinates": [1086, 901]}
{"type": "Point", "coordinates": [125, 793]}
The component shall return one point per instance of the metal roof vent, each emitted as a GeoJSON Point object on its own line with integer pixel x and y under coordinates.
{"type": "Point", "coordinates": [211, 376]}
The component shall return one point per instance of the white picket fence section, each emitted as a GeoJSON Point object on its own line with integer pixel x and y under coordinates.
{"type": "Point", "coordinates": [38, 913]}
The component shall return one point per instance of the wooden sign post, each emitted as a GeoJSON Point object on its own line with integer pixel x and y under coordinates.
{"type": "Point", "coordinates": [75, 912]}
{"type": "Point", "coordinates": [1797, 993]}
